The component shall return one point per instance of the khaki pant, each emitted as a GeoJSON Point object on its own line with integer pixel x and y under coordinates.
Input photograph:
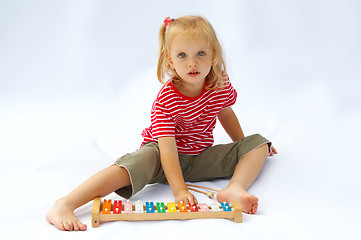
{"type": "Point", "coordinates": [144, 166]}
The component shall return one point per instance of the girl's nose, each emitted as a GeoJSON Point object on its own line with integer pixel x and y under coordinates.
{"type": "Point", "coordinates": [193, 63]}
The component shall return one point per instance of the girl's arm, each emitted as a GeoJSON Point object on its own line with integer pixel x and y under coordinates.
{"type": "Point", "coordinates": [172, 169]}
{"type": "Point", "coordinates": [230, 123]}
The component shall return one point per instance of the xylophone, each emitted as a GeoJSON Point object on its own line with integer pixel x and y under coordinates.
{"type": "Point", "coordinates": [107, 211]}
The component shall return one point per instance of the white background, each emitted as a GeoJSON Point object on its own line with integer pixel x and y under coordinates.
{"type": "Point", "coordinates": [77, 80]}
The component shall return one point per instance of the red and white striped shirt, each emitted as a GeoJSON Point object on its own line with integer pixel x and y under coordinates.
{"type": "Point", "coordinates": [190, 120]}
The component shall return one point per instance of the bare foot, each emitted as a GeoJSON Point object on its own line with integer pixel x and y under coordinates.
{"type": "Point", "coordinates": [249, 203]}
{"type": "Point", "coordinates": [62, 217]}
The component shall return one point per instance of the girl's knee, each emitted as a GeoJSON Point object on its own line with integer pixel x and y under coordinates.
{"type": "Point", "coordinates": [265, 146]}
{"type": "Point", "coordinates": [264, 149]}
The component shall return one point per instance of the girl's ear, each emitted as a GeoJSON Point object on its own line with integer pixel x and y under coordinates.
{"type": "Point", "coordinates": [170, 62]}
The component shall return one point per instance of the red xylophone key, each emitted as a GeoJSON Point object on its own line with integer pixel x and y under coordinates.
{"type": "Point", "coordinates": [117, 208]}
{"type": "Point", "coordinates": [193, 207]}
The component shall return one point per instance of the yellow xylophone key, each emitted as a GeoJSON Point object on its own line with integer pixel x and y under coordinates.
{"type": "Point", "coordinates": [171, 207]}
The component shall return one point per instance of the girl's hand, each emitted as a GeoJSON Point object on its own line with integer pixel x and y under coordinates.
{"type": "Point", "coordinates": [186, 197]}
{"type": "Point", "coordinates": [273, 151]}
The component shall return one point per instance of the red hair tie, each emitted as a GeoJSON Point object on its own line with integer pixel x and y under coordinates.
{"type": "Point", "coordinates": [167, 21]}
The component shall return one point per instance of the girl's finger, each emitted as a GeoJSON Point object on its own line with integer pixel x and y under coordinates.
{"type": "Point", "coordinates": [274, 150]}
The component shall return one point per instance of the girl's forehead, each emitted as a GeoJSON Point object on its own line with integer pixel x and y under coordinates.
{"type": "Point", "coordinates": [189, 40]}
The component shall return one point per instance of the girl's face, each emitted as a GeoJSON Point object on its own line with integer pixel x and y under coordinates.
{"type": "Point", "coordinates": [191, 59]}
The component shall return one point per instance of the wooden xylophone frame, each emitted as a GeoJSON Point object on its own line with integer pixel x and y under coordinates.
{"type": "Point", "coordinates": [97, 216]}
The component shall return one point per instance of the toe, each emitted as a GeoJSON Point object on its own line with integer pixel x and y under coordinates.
{"type": "Point", "coordinates": [254, 209]}
{"type": "Point", "coordinates": [80, 226]}
{"type": "Point", "coordinates": [83, 227]}
{"type": "Point", "coordinates": [71, 226]}
{"type": "Point", "coordinates": [59, 226]}
{"type": "Point", "coordinates": [66, 226]}
{"type": "Point", "coordinates": [76, 227]}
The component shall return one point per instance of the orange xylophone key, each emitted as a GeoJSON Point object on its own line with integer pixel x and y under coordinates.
{"type": "Point", "coordinates": [182, 207]}
{"type": "Point", "coordinates": [107, 206]}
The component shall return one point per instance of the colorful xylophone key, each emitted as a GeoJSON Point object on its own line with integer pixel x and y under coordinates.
{"type": "Point", "coordinates": [215, 207]}
{"type": "Point", "coordinates": [138, 207]}
{"type": "Point", "coordinates": [149, 207]}
{"type": "Point", "coordinates": [171, 207]}
{"type": "Point", "coordinates": [160, 207]}
{"type": "Point", "coordinates": [128, 207]}
{"type": "Point", "coordinates": [107, 206]}
{"type": "Point", "coordinates": [226, 207]}
{"type": "Point", "coordinates": [203, 207]}
{"type": "Point", "coordinates": [193, 207]}
{"type": "Point", "coordinates": [182, 207]}
{"type": "Point", "coordinates": [117, 208]}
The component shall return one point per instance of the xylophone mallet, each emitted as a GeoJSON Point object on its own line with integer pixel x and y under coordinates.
{"type": "Point", "coordinates": [209, 194]}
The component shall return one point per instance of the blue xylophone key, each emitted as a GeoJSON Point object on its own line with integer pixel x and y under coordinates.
{"type": "Point", "coordinates": [226, 207]}
{"type": "Point", "coordinates": [149, 207]}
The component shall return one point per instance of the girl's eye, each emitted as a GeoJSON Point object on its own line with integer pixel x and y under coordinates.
{"type": "Point", "coordinates": [201, 53]}
{"type": "Point", "coordinates": [182, 55]}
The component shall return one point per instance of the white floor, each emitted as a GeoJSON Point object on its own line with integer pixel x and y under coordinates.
{"type": "Point", "coordinates": [77, 80]}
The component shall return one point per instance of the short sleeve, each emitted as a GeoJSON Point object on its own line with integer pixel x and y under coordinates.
{"type": "Point", "coordinates": [162, 123]}
{"type": "Point", "coordinates": [230, 93]}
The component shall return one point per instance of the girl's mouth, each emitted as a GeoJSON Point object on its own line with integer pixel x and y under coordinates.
{"type": "Point", "coordinates": [193, 73]}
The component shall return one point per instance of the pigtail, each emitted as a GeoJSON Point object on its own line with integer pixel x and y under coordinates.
{"type": "Point", "coordinates": [162, 54]}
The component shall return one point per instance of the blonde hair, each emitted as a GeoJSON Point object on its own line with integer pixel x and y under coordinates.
{"type": "Point", "coordinates": [197, 27]}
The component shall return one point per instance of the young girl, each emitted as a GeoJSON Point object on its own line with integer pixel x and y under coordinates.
{"type": "Point", "coordinates": [177, 146]}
